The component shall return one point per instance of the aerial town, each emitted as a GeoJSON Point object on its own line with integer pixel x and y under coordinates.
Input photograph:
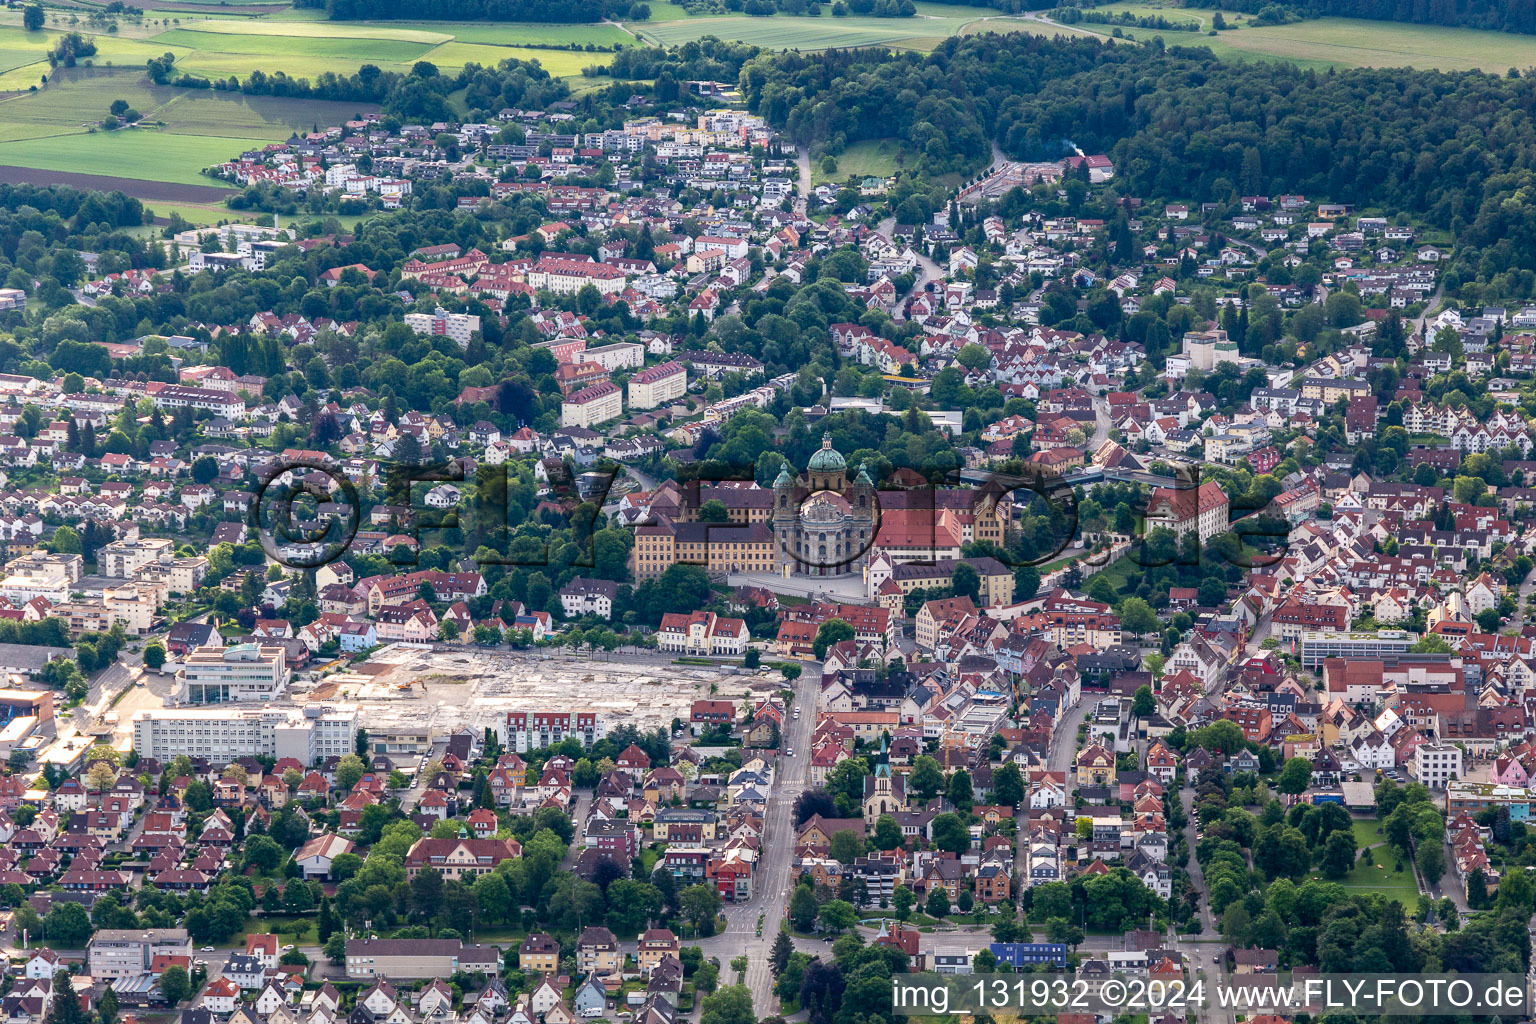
{"type": "Point", "coordinates": [624, 572]}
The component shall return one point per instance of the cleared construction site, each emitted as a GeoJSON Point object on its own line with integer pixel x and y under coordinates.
{"type": "Point", "coordinates": [403, 688]}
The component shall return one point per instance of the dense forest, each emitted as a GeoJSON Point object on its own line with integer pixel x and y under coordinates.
{"type": "Point", "coordinates": [1496, 15]}
{"type": "Point", "coordinates": [1457, 149]}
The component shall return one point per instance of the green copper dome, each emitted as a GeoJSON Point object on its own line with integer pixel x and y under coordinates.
{"type": "Point", "coordinates": [828, 460]}
{"type": "Point", "coordinates": [863, 477]}
{"type": "Point", "coordinates": [783, 479]}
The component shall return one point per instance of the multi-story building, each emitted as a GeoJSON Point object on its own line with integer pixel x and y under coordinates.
{"type": "Point", "coordinates": [651, 387]}
{"type": "Point", "coordinates": [702, 633]}
{"type": "Point", "coordinates": [407, 959]}
{"type": "Point", "coordinates": [1436, 764]}
{"type": "Point", "coordinates": [996, 578]}
{"type": "Point", "coordinates": [123, 558]}
{"type": "Point", "coordinates": [718, 547]}
{"type": "Point", "coordinates": [178, 396]}
{"type": "Point", "coordinates": [592, 405]}
{"type": "Point", "coordinates": [539, 954]}
{"type": "Point", "coordinates": [310, 735]}
{"type": "Point", "coordinates": [456, 326]}
{"type": "Point", "coordinates": [535, 730]}
{"type": "Point", "coordinates": [218, 675]}
{"type": "Point", "coordinates": [584, 596]}
{"type": "Point", "coordinates": [129, 952]}
{"type": "Point", "coordinates": [1317, 646]}
{"type": "Point", "coordinates": [567, 277]}
{"type": "Point", "coordinates": [1203, 509]}
{"type": "Point", "coordinates": [456, 859]}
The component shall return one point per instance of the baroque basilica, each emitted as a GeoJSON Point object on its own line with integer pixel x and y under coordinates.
{"type": "Point", "coordinates": [826, 528]}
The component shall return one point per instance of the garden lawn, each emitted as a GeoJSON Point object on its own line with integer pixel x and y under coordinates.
{"type": "Point", "coordinates": [1366, 835]}
{"type": "Point", "coordinates": [1396, 885]}
{"type": "Point", "coordinates": [874, 157]}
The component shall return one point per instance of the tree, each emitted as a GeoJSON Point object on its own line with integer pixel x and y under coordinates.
{"type": "Point", "coordinates": [262, 853]}
{"type": "Point", "coordinates": [831, 633]}
{"type": "Point", "coordinates": [1008, 784]}
{"type": "Point", "coordinates": [1143, 703]}
{"type": "Point", "coordinates": [901, 901]}
{"type": "Point", "coordinates": [926, 779]}
{"type": "Point", "coordinates": [336, 949]}
{"type": "Point", "coordinates": [700, 904]}
{"type": "Point", "coordinates": [838, 916]}
{"type": "Point", "coordinates": [778, 959]}
{"type": "Point", "coordinates": [1136, 616]}
{"type": "Point", "coordinates": [154, 656]}
{"type": "Point", "coordinates": [427, 893]}
{"type": "Point", "coordinates": [32, 17]}
{"type": "Point", "coordinates": [66, 1004]}
{"type": "Point", "coordinates": [950, 833]}
{"type": "Point", "coordinates": [846, 846]}
{"type": "Point", "coordinates": [960, 792]}
{"type": "Point", "coordinates": [631, 905]}
{"type": "Point", "coordinates": [730, 1005]}
{"type": "Point", "coordinates": [887, 833]}
{"type": "Point", "coordinates": [100, 777]}
{"type": "Point", "coordinates": [1339, 853]}
{"type": "Point", "coordinates": [106, 1007]}
{"type": "Point", "coordinates": [176, 983]}
{"type": "Point", "coordinates": [966, 581]}
{"type": "Point", "coordinates": [802, 909]}
{"type": "Point", "coordinates": [714, 511]}
{"type": "Point", "coordinates": [493, 897]}
{"type": "Point", "coordinates": [349, 769]}
{"type": "Point", "coordinates": [1431, 860]}
{"type": "Point", "coordinates": [938, 902]}
{"type": "Point", "coordinates": [1295, 777]}
{"type": "Point", "coordinates": [67, 926]}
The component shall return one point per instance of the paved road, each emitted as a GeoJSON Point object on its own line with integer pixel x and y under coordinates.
{"type": "Point", "coordinates": [1101, 423]}
{"type": "Point", "coordinates": [1434, 301]}
{"type": "Point", "coordinates": [770, 898]}
{"type": "Point", "coordinates": [1196, 875]}
{"type": "Point", "coordinates": [1057, 759]}
{"type": "Point", "coordinates": [803, 186]}
{"type": "Point", "coordinates": [927, 270]}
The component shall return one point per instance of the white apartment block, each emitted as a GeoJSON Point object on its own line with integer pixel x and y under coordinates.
{"type": "Point", "coordinates": [456, 326]}
{"type": "Point", "coordinates": [310, 735]}
{"type": "Point", "coordinates": [1436, 764]}
{"type": "Point", "coordinates": [39, 563]}
{"type": "Point", "coordinates": [179, 396]}
{"type": "Point", "coordinates": [123, 558]}
{"type": "Point", "coordinates": [218, 675]}
{"type": "Point", "coordinates": [621, 355]}
{"type": "Point", "coordinates": [19, 588]}
{"type": "Point", "coordinates": [592, 405]}
{"type": "Point", "coordinates": [129, 952]}
{"type": "Point", "coordinates": [658, 384]}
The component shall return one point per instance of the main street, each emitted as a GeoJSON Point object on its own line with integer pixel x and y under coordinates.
{"type": "Point", "coordinates": [770, 898]}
